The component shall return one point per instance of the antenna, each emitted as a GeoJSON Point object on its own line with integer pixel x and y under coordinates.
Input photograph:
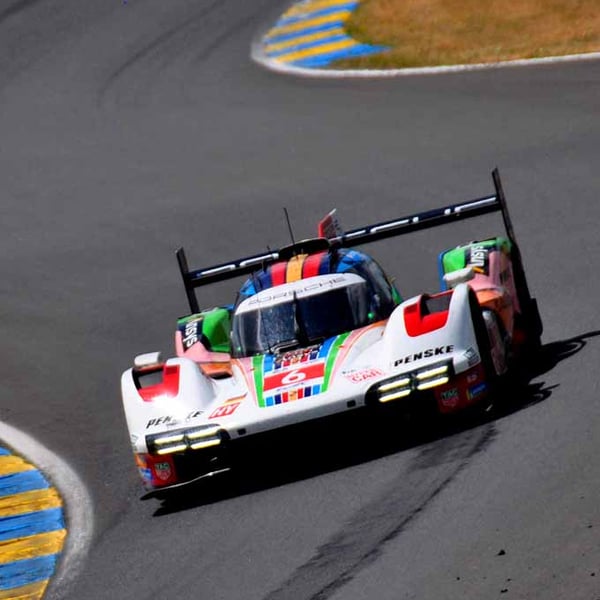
{"type": "Point", "coordinates": [287, 218]}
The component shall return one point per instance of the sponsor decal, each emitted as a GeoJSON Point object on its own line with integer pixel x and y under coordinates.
{"type": "Point", "coordinates": [428, 353]}
{"type": "Point", "coordinates": [224, 410]}
{"type": "Point", "coordinates": [190, 334]}
{"type": "Point", "coordinates": [329, 226]}
{"type": "Point", "coordinates": [193, 415]}
{"type": "Point", "coordinates": [297, 375]}
{"type": "Point", "coordinates": [360, 375]}
{"type": "Point", "coordinates": [276, 295]}
{"type": "Point", "coordinates": [166, 421]}
{"type": "Point", "coordinates": [162, 470]}
{"type": "Point", "coordinates": [169, 421]}
{"type": "Point", "coordinates": [293, 357]}
{"type": "Point", "coordinates": [145, 474]}
{"type": "Point", "coordinates": [449, 398]}
{"type": "Point", "coordinates": [478, 258]}
{"type": "Point", "coordinates": [476, 391]}
{"type": "Point", "coordinates": [293, 377]}
{"type": "Point", "coordinates": [472, 356]}
{"type": "Point", "coordinates": [472, 377]}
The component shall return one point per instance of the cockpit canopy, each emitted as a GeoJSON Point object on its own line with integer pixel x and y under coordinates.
{"type": "Point", "coordinates": [303, 313]}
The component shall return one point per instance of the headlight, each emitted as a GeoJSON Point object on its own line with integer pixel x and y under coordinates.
{"type": "Point", "coordinates": [396, 383]}
{"type": "Point", "coordinates": [433, 372]}
{"type": "Point", "coordinates": [195, 438]}
{"type": "Point", "coordinates": [432, 377]}
{"type": "Point", "coordinates": [167, 443]}
{"type": "Point", "coordinates": [403, 385]}
{"type": "Point", "coordinates": [395, 395]}
{"type": "Point", "coordinates": [394, 389]}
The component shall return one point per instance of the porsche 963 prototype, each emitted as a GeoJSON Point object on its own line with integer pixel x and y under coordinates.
{"type": "Point", "coordinates": [319, 329]}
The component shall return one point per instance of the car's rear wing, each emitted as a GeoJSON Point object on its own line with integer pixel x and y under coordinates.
{"type": "Point", "coordinates": [415, 222]}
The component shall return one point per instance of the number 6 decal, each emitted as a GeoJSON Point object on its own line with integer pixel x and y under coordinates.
{"type": "Point", "coordinates": [295, 376]}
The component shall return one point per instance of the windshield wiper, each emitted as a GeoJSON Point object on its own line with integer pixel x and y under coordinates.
{"type": "Point", "coordinates": [299, 325]}
{"type": "Point", "coordinates": [284, 346]}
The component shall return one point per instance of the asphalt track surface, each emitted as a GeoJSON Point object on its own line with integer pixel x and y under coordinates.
{"type": "Point", "coordinates": [128, 129]}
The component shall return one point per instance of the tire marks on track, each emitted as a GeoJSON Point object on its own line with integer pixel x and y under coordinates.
{"type": "Point", "coordinates": [363, 538]}
{"type": "Point", "coordinates": [154, 45]}
{"type": "Point", "coordinates": [188, 40]}
{"type": "Point", "coordinates": [16, 8]}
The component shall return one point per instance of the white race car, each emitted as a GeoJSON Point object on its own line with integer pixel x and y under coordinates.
{"type": "Point", "coordinates": [319, 329]}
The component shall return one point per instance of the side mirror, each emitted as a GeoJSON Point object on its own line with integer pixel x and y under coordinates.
{"type": "Point", "coordinates": [149, 360]}
{"type": "Point", "coordinates": [459, 276]}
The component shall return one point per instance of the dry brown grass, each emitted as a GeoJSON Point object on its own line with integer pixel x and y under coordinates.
{"type": "Point", "coordinates": [440, 32]}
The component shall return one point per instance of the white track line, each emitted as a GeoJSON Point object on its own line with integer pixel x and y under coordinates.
{"type": "Point", "coordinates": [78, 507]}
{"type": "Point", "coordinates": [259, 57]}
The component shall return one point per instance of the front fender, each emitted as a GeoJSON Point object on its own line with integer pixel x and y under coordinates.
{"type": "Point", "coordinates": [427, 328]}
{"type": "Point", "coordinates": [167, 395]}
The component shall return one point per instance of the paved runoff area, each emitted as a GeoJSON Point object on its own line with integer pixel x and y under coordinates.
{"type": "Point", "coordinates": [311, 34]}
{"type": "Point", "coordinates": [32, 529]}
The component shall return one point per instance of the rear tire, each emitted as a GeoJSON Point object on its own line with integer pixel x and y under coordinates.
{"type": "Point", "coordinates": [493, 379]}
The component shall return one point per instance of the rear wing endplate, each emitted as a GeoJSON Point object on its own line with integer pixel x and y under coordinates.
{"type": "Point", "coordinates": [363, 235]}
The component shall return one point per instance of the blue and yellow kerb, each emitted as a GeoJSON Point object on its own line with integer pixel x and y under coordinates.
{"type": "Point", "coordinates": [32, 529]}
{"type": "Point", "coordinates": [311, 34]}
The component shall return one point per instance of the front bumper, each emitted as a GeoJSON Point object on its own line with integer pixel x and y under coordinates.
{"type": "Point", "coordinates": [451, 392]}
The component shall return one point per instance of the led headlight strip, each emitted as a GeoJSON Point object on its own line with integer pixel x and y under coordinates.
{"type": "Point", "coordinates": [404, 384]}
{"type": "Point", "coordinates": [397, 388]}
{"type": "Point", "coordinates": [196, 438]}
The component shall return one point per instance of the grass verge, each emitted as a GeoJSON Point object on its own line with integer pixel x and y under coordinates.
{"type": "Point", "coordinates": [445, 32]}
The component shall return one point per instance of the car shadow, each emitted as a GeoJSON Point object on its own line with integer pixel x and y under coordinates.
{"type": "Point", "coordinates": [524, 391]}
{"type": "Point", "coordinates": [328, 445]}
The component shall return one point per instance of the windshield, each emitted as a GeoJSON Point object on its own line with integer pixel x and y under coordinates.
{"type": "Point", "coordinates": [300, 321]}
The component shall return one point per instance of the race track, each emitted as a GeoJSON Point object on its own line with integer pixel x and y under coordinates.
{"type": "Point", "coordinates": [130, 128]}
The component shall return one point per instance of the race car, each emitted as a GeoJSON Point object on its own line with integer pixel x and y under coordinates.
{"type": "Point", "coordinates": [318, 329]}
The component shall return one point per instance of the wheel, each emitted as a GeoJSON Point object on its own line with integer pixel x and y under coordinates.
{"type": "Point", "coordinates": [491, 344]}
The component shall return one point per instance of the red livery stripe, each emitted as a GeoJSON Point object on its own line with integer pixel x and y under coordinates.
{"type": "Point", "coordinates": [418, 324]}
{"type": "Point", "coordinates": [312, 264]}
{"type": "Point", "coordinates": [278, 272]}
{"type": "Point", "coordinates": [168, 387]}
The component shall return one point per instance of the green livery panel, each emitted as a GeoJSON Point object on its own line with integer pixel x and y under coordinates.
{"type": "Point", "coordinates": [470, 254]}
{"type": "Point", "coordinates": [211, 327]}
